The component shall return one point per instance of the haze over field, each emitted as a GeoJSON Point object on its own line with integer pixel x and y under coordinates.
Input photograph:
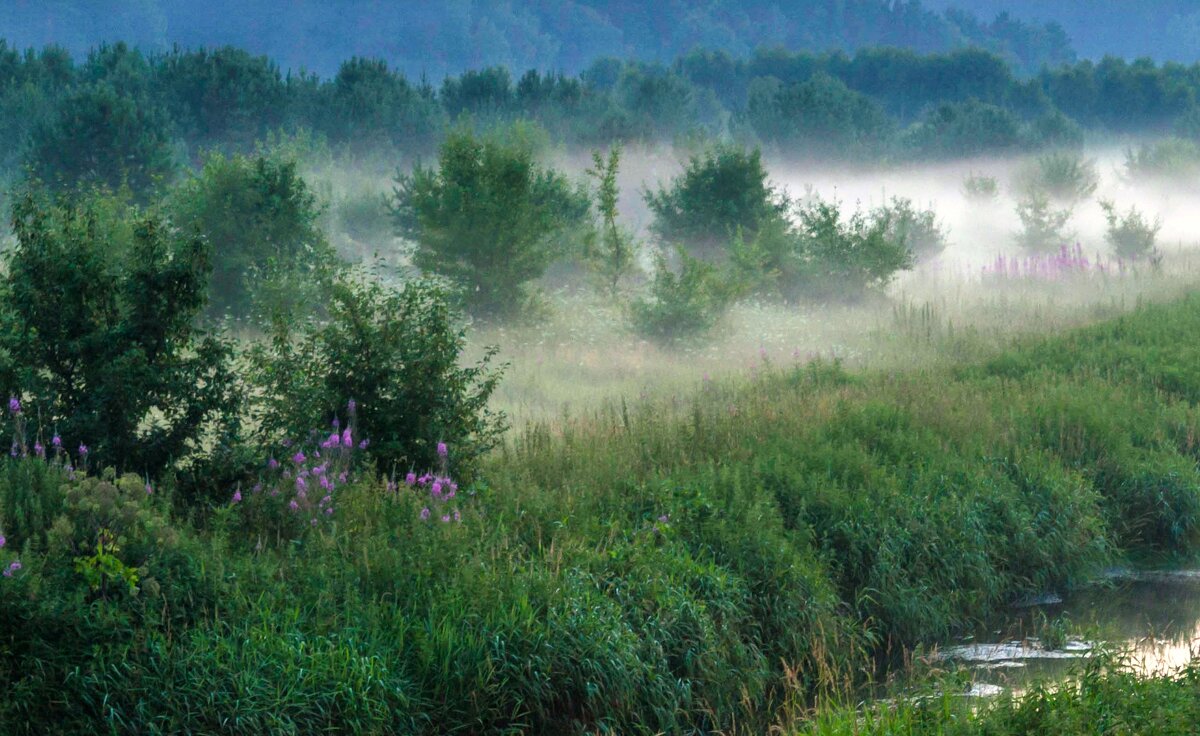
{"type": "Point", "coordinates": [808, 367]}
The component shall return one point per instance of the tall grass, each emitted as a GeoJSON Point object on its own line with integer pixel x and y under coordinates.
{"type": "Point", "coordinates": [713, 562]}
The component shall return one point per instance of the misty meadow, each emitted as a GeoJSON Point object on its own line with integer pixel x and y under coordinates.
{"type": "Point", "coordinates": [599, 367]}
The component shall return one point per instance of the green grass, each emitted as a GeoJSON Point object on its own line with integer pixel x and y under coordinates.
{"type": "Point", "coordinates": [718, 562]}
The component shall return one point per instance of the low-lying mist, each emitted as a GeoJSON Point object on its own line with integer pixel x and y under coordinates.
{"type": "Point", "coordinates": [959, 305]}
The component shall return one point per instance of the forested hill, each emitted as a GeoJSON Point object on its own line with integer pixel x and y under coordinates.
{"type": "Point", "coordinates": [1165, 30]}
{"type": "Point", "coordinates": [448, 36]}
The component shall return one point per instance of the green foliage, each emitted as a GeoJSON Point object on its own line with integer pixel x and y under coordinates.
{"type": "Point", "coordinates": [720, 192]}
{"type": "Point", "coordinates": [918, 229]}
{"type": "Point", "coordinates": [844, 257]}
{"type": "Point", "coordinates": [259, 219]}
{"type": "Point", "coordinates": [818, 118]}
{"type": "Point", "coordinates": [1043, 227]}
{"type": "Point", "coordinates": [682, 304]}
{"type": "Point", "coordinates": [1131, 235]}
{"type": "Point", "coordinates": [102, 341]}
{"type": "Point", "coordinates": [981, 188]}
{"type": "Point", "coordinates": [1169, 161]}
{"type": "Point", "coordinates": [965, 129]}
{"type": "Point", "coordinates": [613, 256]}
{"type": "Point", "coordinates": [1065, 177]}
{"type": "Point", "coordinates": [395, 353]}
{"type": "Point", "coordinates": [101, 136]}
{"type": "Point", "coordinates": [489, 219]}
{"type": "Point", "coordinates": [368, 105]}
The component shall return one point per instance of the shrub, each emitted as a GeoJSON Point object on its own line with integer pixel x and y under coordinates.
{"type": "Point", "coordinates": [395, 353]}
{"type": "Point", "coordinates": [981, 188]}
{"type": "Point", "coordinates": [260, 219]}
{"type": "Point", "coordinates": [488, 219]}
{"type": "Point", "coordinates": [681, 304]}
{"type": "Point", "coordinates": [1131, 235]}
{"type": "Point", "coordinates": [1043, 228]}
{"type": "Point", "coordinates": [103, 341]}
{"type": "Point", "coordinates": [720, 192]}
{"type": "Point", "coordinates": [1168, 160]}
{"type": "Point", "coordinates": [845, 257]}
{"type": "Point", "coordinates": [1064, 177]}
{"type": "Point", "coordinates": [918, 229]}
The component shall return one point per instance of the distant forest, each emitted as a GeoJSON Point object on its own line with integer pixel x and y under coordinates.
{"type": "Point", "coordinates": [120, 110]}
{"type": "Point", "coordinates": [450, 36]}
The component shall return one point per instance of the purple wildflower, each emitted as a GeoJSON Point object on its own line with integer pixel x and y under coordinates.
{"type": "Point", "coordinates": [272, 463]}
{"type": "Point", "coordinates": [14, 405]}
{"type": "Point", "coordinates": [149, 490]}
{"type": "Point", "coordinates": [457, 516]}
{"type": "Point", "coordinates": [445, 518]}
{"type": "Point", "coordinates": [237, 496]}
{"type": "Point", "coordinates": [2, 540]}
{"type": "Point", "coordinates": [436, 489]}
{"type": "Point", "coordinates": [442, 450]}
{"type": "Point", "coordinates": [299, 458]}
{"type": "Point", "coordinates": [56, 441]}
{"type": "Point", "coordinates": [410, 479]}
{"type": "Point", "coordinates": [293, 505]}
{"type": "Point", "coordinates": [13, 567]}
{"type": "Point", "coordinates": [351, 407]}
{"type": "Point", "coordinates": [329, 511]}
{"type": "Point", "coordinates": [39, 449]}
{"type": "Point", "coordinates": [425, 514]}
{"type": "Point", "coordinates": [363, 445]}
{"type": "Point", "coordinates": [347, 439]}
{"type": "Point", "coordinates": [83, 450]}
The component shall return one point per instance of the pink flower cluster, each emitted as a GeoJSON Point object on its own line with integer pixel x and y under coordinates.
{"type": "Point", "coordinates": [304, 488]}
{"type": "Point", "coordinates": [1066, 263]}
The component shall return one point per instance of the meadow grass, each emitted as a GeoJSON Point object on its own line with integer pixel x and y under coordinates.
{"type": "Point", "coordinates": [723, 560]}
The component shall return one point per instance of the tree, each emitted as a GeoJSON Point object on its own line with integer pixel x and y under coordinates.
{"type": "Point", "coordinates": [612, 256]}
{"type": "Point", "coordinates": [259, 218]}
{"type": "Point", "coordinates": [488, 219]}
{"type": "Point", "coordinates": [103, 343]}
{"type": "Point", "coordinates": [720, 192]}
{"type": "Point", "coordinates": [821, 116]}
{"type": "Point", "coordinates": [99, 136]}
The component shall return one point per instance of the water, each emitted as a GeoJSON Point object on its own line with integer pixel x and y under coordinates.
{"type": "Point", "coordinates": [1155, 616]}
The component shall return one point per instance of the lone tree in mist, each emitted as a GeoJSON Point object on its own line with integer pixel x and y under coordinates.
{"type": "Point", "coordinates": [719, 194]}
{"type": "Point", "coordinates": [610, 249]}
{"type": "Point", "coordinates": [488, 218]}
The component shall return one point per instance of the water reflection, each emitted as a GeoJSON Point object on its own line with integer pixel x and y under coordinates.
{"type": "Point", "coordinates": [1153, 615]}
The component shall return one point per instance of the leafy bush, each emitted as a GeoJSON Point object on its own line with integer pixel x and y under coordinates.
{"type": "Point", "coordinates": [1043, 227]}
{"type": "Point", "coordinates": [682, 304]}
{"type": "Point", "coordinates": [981, 188]}
{"type": "Point", "coordinates": [845, 257]}
{"type": "Point", "coordinates": [1131, 235]}
{"type": "Point", "coordinates": [100, 136]}
{"type": "Point", "coordinates": [1066, 178]}
{"type": "Point", "coordinates": [102, 340]}
{"type": "Point", "coordinates": [395, 353]}
{"type": "Point", "coordinates": [260, 220]}
{"type": "Point", "coordinates": [720, 192]}
{"type": "Point", "coordinates": [1168, 161]}
{"type": "Point", "coordinates": [488, 219]}
{"type": "Point", "coordinates": [918, 229]}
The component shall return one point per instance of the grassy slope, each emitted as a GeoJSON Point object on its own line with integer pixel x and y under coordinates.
{"type": "Point", "coordinates": [680, 566]}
